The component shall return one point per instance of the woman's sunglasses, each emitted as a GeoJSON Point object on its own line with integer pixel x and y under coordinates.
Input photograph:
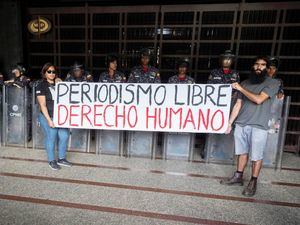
{"type": "Point", "coordinates": [51, 71]}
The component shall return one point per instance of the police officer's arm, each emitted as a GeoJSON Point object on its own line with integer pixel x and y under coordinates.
{"type": "Point", "coordinates": [157, 78]}
{"type": "Point", "coordinates": [7, 82]}
{"type": "Point", "coordinates": [131, 78]}
{"type": "Point", "coordinates": [68, 77]}
{"type": "Point", "coordinates": [238, 78]}
{"type": "Point", "coordinates": [23, 82]}
{"type": "Point", "coordinates": [280, 94]}
{"type": "Point", "coordinates": [123, 78]}
{"type": "Point", "coordinates": [42, 103]}
{"type": "Point", "coordinates": [256, 98]}
{"type": "Point", "coordinates": [233, 115]}
{"type": "Point", "coordinates": [210, 79]}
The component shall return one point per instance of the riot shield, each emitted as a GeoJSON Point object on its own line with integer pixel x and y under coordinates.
{"type": "Point", "coordinates": [178, 145]}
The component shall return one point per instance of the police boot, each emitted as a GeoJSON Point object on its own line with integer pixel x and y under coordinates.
{"type": "Point", "coordinates": [236, 179]}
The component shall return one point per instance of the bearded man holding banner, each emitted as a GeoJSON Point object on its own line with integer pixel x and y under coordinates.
{"type": "Point", "coordinates": [251, 115]}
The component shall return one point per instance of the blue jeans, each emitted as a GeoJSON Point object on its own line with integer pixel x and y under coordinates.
{"type": "Point", "coordinates": [52, 135]}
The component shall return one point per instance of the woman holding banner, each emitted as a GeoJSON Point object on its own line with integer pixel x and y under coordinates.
{"type": "Point", "coordinates": [45, 97]}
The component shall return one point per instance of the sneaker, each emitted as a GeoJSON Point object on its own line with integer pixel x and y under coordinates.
{"type": "Point", "coordinates": [53, 165]}
{"type": "Point", "coordinates": [64, 162]}
{"type": "Point", "coordinates": [236, 179]}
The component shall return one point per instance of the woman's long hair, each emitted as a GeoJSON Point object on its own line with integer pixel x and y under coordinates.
{"type": "Point", "coordinates": [46, 67]}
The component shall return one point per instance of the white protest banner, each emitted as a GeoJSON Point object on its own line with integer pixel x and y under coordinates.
{"type": "Point", "coordinates": [195, 108]}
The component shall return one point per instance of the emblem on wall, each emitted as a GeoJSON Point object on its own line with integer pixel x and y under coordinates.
{"type": "Point", "coordinates": [39, 26]}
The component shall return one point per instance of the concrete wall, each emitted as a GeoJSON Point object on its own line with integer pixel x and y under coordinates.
{"type": "Point", "coordinates": [11, 44]}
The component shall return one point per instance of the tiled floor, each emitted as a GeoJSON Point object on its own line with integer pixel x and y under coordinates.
{"type": "Point", "coordinates": [134, 191]}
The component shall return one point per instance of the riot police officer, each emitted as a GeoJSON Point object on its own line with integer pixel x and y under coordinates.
{"type": "Point", "coordinates": [224, 74]}
{"type": "Point", "coordinates": [170, 147]}
{"type": "Point", "coordinates": [272, 72]}
{"type": "Point", "coordinates": [144, 73]}
{"type": "Point", "coordinates": [19, 78]}
{"type": "Point", "coordinates": [78, 74]}
{"type": "Point", "coordinates": [273, 68]}
{"type": "Point", "coordinates": [182, 77]}
{"type": "Point", "coordinates": [20, 81]}
{"type": "Point", "coordinates": [112, 75]}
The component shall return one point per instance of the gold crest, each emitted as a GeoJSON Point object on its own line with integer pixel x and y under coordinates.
{"type": "Point", "coordinates": [39, 26]}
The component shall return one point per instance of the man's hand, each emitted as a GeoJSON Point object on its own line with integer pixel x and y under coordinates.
{"type": "Point", "coordinates": [236, 86]}
{"type": "Point", "coordinates": [280, 96]}
{"type": "Point", "coordinates": [229, 128]}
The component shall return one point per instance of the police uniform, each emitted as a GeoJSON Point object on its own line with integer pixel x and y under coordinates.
{"type": "Point", "coordinates": [280, 91]}
{"type": "Point", "coordinates": [138, 75]}
{"type": "Point", "coordinates": [117, 78]}
{"type": "Point", "coordinates": [177, 80]}
{"type": "Point", "coordinates": [71, 78]}
{"type": "Point", "coordinates": [218, 76]}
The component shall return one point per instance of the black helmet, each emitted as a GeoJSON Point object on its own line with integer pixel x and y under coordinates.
{"type": "Point", "coordinates": [76, 66]}
{"type": "Point", "coordinates": [145, 52]}
{"type": "Point", "coordinates": [19, 67]}
{"type": "Point", "coordinates": [228, 54]}
{"type": "Point", "coordinates": [183, 63]}
{"type": "Point", "coordinates": [274, 61]}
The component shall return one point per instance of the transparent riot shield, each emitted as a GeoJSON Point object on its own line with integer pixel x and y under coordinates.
{"type": "Point", "coordinates": [178, 145]}
{"type": "Point", "coordinates": [110, 142]}
{"type": "Point", "coordinates": [37, 131]}
{"type": "Point", "coordinates": [277, 130]}
{"type": "Point", "coordinates": [141, 144]}
{"type": "Point", "coordinates": [282, 130]}
{"type": "Point", "coordinates": [79, 140]}
{"type": "Point", "coordinates": [15, 116]}
{"type": "Point", "coordinates": [220, 148]}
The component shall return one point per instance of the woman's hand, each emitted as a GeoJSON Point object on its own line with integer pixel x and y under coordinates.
{"type": "Point", "coordinates": [51, 124]}
{"type": "Point", "coordinates": [57, 80]}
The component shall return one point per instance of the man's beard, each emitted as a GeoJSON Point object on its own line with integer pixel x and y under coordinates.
{"type": "Point", "coordinates": [257, 78]}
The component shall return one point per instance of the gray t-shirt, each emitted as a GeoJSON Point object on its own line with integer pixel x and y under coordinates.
{"type": "Point", "coordinates": [253, 114]}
